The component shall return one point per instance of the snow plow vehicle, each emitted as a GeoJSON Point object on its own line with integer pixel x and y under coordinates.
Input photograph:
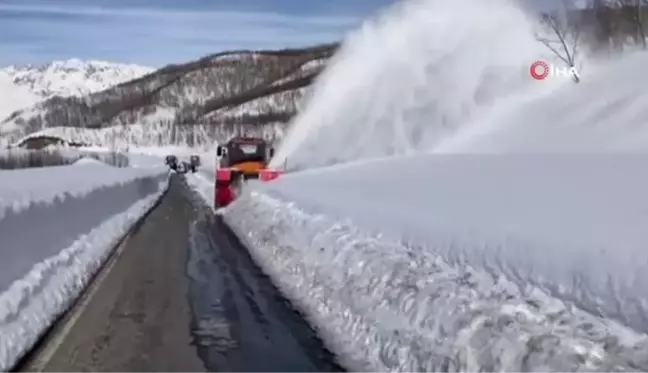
{"type": "Point", "coordinates": [240, 159]}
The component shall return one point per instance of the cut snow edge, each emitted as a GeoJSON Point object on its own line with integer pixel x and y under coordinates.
{"type": "Point", "coordinates": [53, 285]}
{"type": "Point", "coordinates": [386, 305]}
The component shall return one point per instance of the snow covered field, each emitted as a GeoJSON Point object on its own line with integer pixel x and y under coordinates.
{"type": "Point", "coordinates": [58, 225]}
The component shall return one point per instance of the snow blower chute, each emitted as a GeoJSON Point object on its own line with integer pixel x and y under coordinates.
{"type": "Point", "coordinates": [240, 159]}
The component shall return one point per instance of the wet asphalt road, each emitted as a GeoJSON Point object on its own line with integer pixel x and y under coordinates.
{"type": "Point", "coordinates": [182, 294]}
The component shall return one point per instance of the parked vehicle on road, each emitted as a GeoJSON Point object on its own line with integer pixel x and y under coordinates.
{"type": "Point", "coordinates": [194, 163]}
{"type": "Point", "coordinates": [171, 161]}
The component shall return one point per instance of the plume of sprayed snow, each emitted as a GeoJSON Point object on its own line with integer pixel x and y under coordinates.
{"type": "Point", "coordinates": [411, 77]}
{"type": "Point", "coordinates": [605, 113]}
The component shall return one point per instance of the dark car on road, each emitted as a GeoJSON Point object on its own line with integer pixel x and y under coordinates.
{"type": "Point", "coordinates": [171, 161]}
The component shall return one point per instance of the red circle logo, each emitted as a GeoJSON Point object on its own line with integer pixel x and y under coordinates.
{"type": "Point", "coordinates": [539, 70]}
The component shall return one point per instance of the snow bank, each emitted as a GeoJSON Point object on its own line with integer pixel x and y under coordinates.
{"type": "Point", "coordinates": [22, 189]}
{"type": "Point", "coordinates": [467, 262]}
{"type": "Point", "coordinates": [57, 226]}
{"type": "Point", "coordinates": [17, 158]}
{"type": "Point", "coordinates": [85, 161]}
{"type": "Point", "coordinates": [153, 156]}
{"type": "Point", "coordinates": [203, 183]}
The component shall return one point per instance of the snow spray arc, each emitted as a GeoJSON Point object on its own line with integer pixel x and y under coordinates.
{"type": "Point", "coordinates": [541, 70]}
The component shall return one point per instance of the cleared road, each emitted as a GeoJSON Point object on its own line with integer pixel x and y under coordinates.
{"type": "Point", "coordinates": [182, 294]}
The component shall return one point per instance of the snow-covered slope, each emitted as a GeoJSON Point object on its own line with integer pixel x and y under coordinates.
{"type": "Point", "coordinates": [27, 85]}
{"type": "Point", "coordinates": [73, 77]}
{"type": "Point", "coordinates": [13, 98]}
{"type": "Point", "coordinates": [226, 91]}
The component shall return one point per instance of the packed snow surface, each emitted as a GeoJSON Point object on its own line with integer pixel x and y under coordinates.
{"type": "Point", "coordinates": [572, 224]}
{"type": "Point", "coordinates": [58, 225]}
{"type": "Point", "coordinates": [22, 188]}
{"type": "Point", "coordinates": [468, 280]}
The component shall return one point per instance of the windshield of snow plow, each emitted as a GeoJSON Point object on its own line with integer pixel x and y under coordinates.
{"type": "Point", "coordinates": [239, 152]}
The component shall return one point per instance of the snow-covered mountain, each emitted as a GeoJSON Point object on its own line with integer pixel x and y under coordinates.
{"type": "Point", "coordinates": [73, 77]}
{"type": "Point", "coordinates": [24, 86]}
{"type": "Point", "coordinates": [13, 97]}
{"type": "Point", "coordinates": [196, 102]}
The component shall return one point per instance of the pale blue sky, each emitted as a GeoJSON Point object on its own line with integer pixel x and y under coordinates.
{"type": "Point", "coordinates": [157, 32]}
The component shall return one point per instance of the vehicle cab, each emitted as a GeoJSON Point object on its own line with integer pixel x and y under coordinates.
{"type": "Point", "coordinates": [245, 154]}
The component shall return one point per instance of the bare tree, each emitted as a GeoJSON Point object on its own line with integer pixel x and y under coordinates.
{"type": "Point", "coordinates": [619, 20]}
{"type": "Point", "coordinates": [605, 25]}
{"type": "Point", "coordinates": [639, 9]}
{"type": "Point", "coordinates": [113, 138]}
{"type": "Point", "coordinates": [632, 12]}
{"type": "Point", "coordinates": [564, 39]}
{"type": "Point", "coordinates": [191, 135]}
{"type": "Point", "coordinates": [126, 135]}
